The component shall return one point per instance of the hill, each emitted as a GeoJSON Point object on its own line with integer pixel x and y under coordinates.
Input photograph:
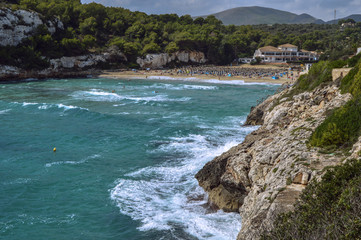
{"type": "Point", "coordinates": [261, 15]}
{"type": "Point", "coordinates": [356, 17]}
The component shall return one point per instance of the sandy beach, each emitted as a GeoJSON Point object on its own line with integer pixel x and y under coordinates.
{"type": "Point", "coordinates": [246, 73]}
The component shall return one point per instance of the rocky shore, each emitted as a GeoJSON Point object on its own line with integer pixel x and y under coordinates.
{"type": "Point", "coordinates": [264, 176]}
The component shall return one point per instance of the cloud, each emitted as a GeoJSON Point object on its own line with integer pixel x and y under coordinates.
{"type": "Point", "coordinates": [323, 9]}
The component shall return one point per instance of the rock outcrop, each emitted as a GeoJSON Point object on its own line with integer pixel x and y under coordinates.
{"type": "Point", "coordinates": [87, 61]}
{"type": "Point", "coordinates": [156, 61]}
{"type": "Point", "coordinates": [78, 66]}
{"type": "Point", "coordinates": [15, 26]}
{"type": "Point", "coordinates": [264, 175]}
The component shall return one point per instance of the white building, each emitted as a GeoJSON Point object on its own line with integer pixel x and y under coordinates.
{"type": "Point", "coordinates": [284, 53]}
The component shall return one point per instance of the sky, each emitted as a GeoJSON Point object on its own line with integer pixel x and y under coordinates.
{"type": "Point", "coordinates": [323, 9]}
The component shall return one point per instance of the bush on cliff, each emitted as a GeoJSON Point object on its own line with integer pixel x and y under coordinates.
{"type": "Point", "coordinates": [329, 209]}
{"type": "Point", "coordinates": [352, 80]}
{"type": "Point", "coordinates": [341, 129]}
{"type": "Point", "coordinates": [320, 72]}
{"type": "Point", "coordinates": [22, 56]}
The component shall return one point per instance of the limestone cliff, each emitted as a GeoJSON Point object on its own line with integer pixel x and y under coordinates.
{"type": "Point", "coordinates": [155, 61]}
{"type": "Point", "coordinates": [15, 26]}
{"type": "Point", "coordinates": [264, 175]}
{"type": "Point", "coordinates": [78, 66]}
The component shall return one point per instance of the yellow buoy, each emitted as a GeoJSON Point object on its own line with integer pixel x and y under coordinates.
{"type": "Point", "coordinates": [54, 149]}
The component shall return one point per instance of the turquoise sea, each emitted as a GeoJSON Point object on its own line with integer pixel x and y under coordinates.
{"type": "Point", "coordinates": [127, 153]}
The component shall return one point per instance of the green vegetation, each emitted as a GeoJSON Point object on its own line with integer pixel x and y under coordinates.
{"type": "Point", "coordinates": [320, 73]}
{"type": "Point", "coordinates": [94, 27]}
{"type": "Point", "coordinates": [329, 209]}
{"type": "Point", "coordinates": [341, 128]}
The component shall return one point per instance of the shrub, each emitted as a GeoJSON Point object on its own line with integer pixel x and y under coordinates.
{"type": "Point", "coordinates": [72, 46]}
{"type": "Point", "coordinates": [22, 56]}
{"type": "Point", "coordinates": [320, 72]}
{"type": "Point", "coordinates": [341, 128]}
{"type": "Point", "coordinates": [171, 47]}
{"type": "Point", "coordinates": [151, 48]}
{"type": "Point", "coordinates": [348, 80]}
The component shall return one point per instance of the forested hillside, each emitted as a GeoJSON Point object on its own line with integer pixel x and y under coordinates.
{"type": "Point", "coordinates": [94, 28]}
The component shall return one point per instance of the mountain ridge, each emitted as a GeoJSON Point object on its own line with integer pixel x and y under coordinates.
{"type": "Point", "coordinates": [261, 15]}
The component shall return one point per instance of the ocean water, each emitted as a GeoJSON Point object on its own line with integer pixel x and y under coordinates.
{"type": "Point", "coordinates": [127, 153]}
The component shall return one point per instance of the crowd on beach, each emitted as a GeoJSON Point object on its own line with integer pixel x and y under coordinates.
{"type": "Point", "coordinates": [220, 71]}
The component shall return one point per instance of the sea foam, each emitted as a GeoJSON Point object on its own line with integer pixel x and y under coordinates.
{"type": "Point", "coordinates": [102, 96]}
{"type": "Point", "coordinates": [167, 197]}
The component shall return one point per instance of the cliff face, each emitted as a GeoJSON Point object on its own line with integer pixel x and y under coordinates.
{"type": "Point", "coordinates": [162, 59]}
{"type": "Point", "coordinates": [264, 175]}
{"type": "Point", "coordinates": [18, 25]}
{"type": "Point", "coordinates": [66, 66]}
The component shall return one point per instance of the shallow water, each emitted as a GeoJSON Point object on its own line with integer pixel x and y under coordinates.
{"type": "Point", "coordinates": [127, 153]}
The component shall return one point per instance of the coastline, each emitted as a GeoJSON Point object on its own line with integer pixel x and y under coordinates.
{"type": "Point", "coordinates": [261, 74]}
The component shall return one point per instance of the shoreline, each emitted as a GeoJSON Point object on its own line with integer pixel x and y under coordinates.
{"type": "Point", "coordinates": [170, 74]}
{"type": "Point", "coordinates": [166, 75]}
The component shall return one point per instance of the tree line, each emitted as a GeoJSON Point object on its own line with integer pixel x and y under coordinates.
{"type": "Point", "coordinates": [93, 28]}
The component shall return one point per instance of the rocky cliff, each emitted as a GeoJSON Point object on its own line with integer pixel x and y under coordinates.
{"type": "Point", "coordinates": [15, 26]}
{"type": "Point", "coordinates": [78, 66]}
{"type": "Point", "coordinates": [264, 175]}
{"type": "Point", "coordinates": [155, 61]}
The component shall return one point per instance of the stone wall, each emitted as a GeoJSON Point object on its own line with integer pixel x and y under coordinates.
{"type": "Point", "coordinates": [339, 72]}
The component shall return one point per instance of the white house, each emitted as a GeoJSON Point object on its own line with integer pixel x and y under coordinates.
{"type": "Point", "coordinates": [284, 53]}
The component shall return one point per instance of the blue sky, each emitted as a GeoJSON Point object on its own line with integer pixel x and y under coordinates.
{"type": "Point", "coordinates": [323, 9]}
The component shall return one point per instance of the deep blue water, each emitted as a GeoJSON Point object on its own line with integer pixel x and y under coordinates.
{"type": "Point", "coordinates": [127, 153]}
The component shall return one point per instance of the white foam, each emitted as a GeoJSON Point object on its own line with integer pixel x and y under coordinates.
{"type": "Point", "coordinates": [237, 82]}
{"type": "Point", "coordinates": [172, 78]}
{"type": "Point", "coordinates": [5, 111]}
{"type": "Point", "coordinates": [99, 95]}
{"type": "Point", "coordinates": [72, 162]}
{"type": "Point", "coordinates": [181, 87]}
{"type": "Point", "coordinates": [157, 98]}
{"type": "Point", "coordinates": [171, 198]}
{"type": "Point", "coordinates": [18, 181]}
{"type": "Point", "coordinates": [216, 81]}
{"type": "Point", "coordinates": [200, 87]}
{"type": "Point", "coordinates": [45, 106]}
{"type": "Point", "coordinates": [27, 219]}
{"type": "Point", "coordinates": [28, 104]}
